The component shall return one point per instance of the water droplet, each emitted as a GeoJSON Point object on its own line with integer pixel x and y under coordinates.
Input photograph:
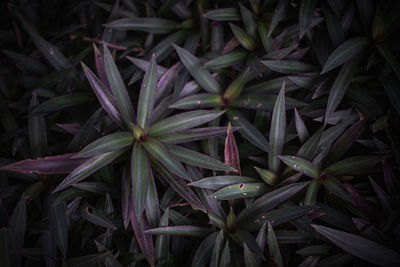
{"type": "Point", "coordinates": [244, 194]}
{"type": "Point", "coordinates": [198, 102]}
{"type": "Point", "coordinates": [235, 118]}
{"type": "Point", "coordinates": [51, 51]}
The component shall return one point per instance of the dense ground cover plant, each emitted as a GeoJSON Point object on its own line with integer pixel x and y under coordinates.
{"type": "Point", "coordinates": [200, 133]}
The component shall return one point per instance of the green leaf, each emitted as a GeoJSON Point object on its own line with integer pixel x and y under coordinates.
{"type": "Point", "coordinates": [263, 102]}
{"type": "Point", "coordinates": [312, 191]}
{"type": "Point", "coordinates": [306, 13]}
{"type": "Point", "coordinates": [288, 66]}
{"type": "Point", "coordinates": [18, 226]}
{"type": "Point", "coordinates": [147, 96]}
{"type": "Point", "coordinates": [266, 40]}
{"type": "Point", "coordinates": [300, 127]}
{"type": "Point", "coordinates": [194, 158]}
{"type": "Point", "coordinates": [345, 52]}
{"type": "Point", "coordinates": [202, 255]}
{"type": "Point", "coordinates": [277, 131]}
{"type": "Point", "coordinates": [200, 74]}
{"type": "Point", "coordinates": [37, 130]}
{"type": "Point", "coordinates": [390, 85]}
{"type": "Point", "coordinates": [103, 95]}
{"type": "Point", "coordinates": [118, 88]}
{"type": "Point", "coordinates": [301, 165]}
{"type": "Point", "coordinates": [89, 167]}
{"type": "Point", "coordinates": [340, 86]}
{"type": "Point", "coordinates": [317, 250]}
{"type": "Point", "coordinates": [236, 87]}
{"type": "Point", "coordinates": [144, 66]}
{"type": "Point", "coordinates": [165, 157]}
{"type": "Point", "coordinates": [353, 164]}
{"type": "Point", "coordinates": [278, 15]}
{"type": "Point", "coordinates": [270, 200]}
{"type": "Point", "coordinates": [58, 225]}
{"type": "Point", "coordinates": [226, 60]}
{"type": "Point", "coordinates": [248, 131]}
{"type": "Point", "coordinates": [218, 182]}
{"type": "Point", "coordinates": [231, 153]}
{"type": "Point", "coordinates": [140, 175]}
{"type": "Point", "coordinates": [192, 135]}
{"type": "Point", "coordinates": [162, 242]}
{"type": "Point", "coordinates": [183, 121]}
{"type": "Point", "coordinates": [106, 144]}
{"type": "Point", "coordinates": [268, 176]}
{"type": "Point", "coordinates": [50, 52]}
{"type": "Point", "coordinates": [223, 14]}
{"type": "Point", "coordinates": [97, 217]}
{"type": "Point", "coordinates": [181, 230]}
{"type": "Point", "coordinates": [197, 101]}
{"type": "Point", "coordinates": [243, 38]}
{"type": "Point", "coordinates": [243, 190]}
{"type": "Point", "coordinates": [249, 258]}
{"type": "Point", "coordinates": [360, 247]}
{"type": "Point", "coordinates": [274, 247]}
{"type": "Point", "coordinates": [334, 186]}
{"type": "Point", "coordinates": [218, 246]}
{"type": "Point", "coordinates": [226, 256]}
{"type": "Point", "coordinates": [61, 102]}
{"type": "Point", "coordinates": [145, 24]}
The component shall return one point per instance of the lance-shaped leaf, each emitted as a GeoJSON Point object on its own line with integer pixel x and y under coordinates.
{"type": "Point", "coordinates": [145, 24]}
{"type": "Point", "coordinates": [226, 60]}
{"type": "Point", "coordinates": [334, 186]}
{"type": "Point", "coordinates": [268, 176]}
{"type": "Point", "coordinates": [103, 95]}
{"type": "Point", "coordinates": [243, 190]}
{"type": "Point", "coordinates": [18, 226]}
{"type": "Point", "coordinates": [89, 167]}
{"type": "Point", "coordinates": [58, 225]}
{"type": "Point", "coordinates": [266, 40]}
{"type": "Point", "coordinates": [288, 66]}
{"type": "Point", "coordinates": [270, 200]}
{"type": "Point", "coordinates": [147, 96]}
{"type": "Point", "coordinates": [301, 165]}
{"type": "Point", "coordinates": [218, 182]}
{"type": "Point", "coordinates": [50, 52]}
{"type": "Point", "coordinates": [243, 236]}
{"type": "Point", "coordinates": [100, 67]}
{"type": "Point", "coordinates": [278, 131]}
{"type": "Point", "coordinates": [371, 210]}
{"type": "Point", "coordinates": [140, 175]}
{"type": "Point", "coordinates": [343, 143]}
{"type": "Point", "coordinates": [162, 242]}
{"type": "Point", "coordinates": [390, 85]}
{"type": "Point", "coordinates": [390, 58]}
{"type": "Point", "coordinates": [144, 66]}
{"type": "Point", "coordinates": [61, 102]}
{"type": "Point", "coordinates": [345, 52]}
{"type": "Point", "coordinates": [231, 153]}
{"type": "Point", "coordinates": [312, 191]}
{"type": "Point", "coordinates": [248, 131]}
{"type": "Point", "coordinates": [200, 74]}
{"type": "Point", "coordinates": [145, 240]}
{"type": "Point", "coordinates": [97, 217]}
{"type": "Point", "coordinates": [278, 15]}
{"type": "Point", "coordinates": [198, 101]}
{"type": "Point", "coordinates": [306, 13]}
{"type": "Point", "coordinates": [223, 14]}
{"type": "Point", "coordinates": [152, 205]}
{"type": "Point", "coordinates": [249, 257]}
{"type": "Point", "coordinates": [167, 80]}
{"type": "Point", "coordinates": [202, 256]}
{"type": "Point", "coordinates": [353, 164]}
{"type": "Point", "coordinates": [106, 144]}
{"type": "Point", "coordinates": [180, 187]}
{"type": "Point", "coordinates": [165, 157]}
{"type": "Point", "coordinates": [264, 102]}
{"type": "Point", "coordinates": [192, 135]}
{"type": "Point", "coordinates": [226, 256]}
{"type": "Point", "coordinates": [340, 86]}
{"type": "Point", "coordinates": [118, 88]}
{"type": "Point", "coordinates": [218, 246]}
{"type": "Point", "coordinates": [181, 230]}
{"type": "Point", "coordinates": [47, 165]}
{"type": "Point", "coordinates": [183, 121]}
{"type": "Point", "coordinates": [243, 38]}
{"type": "Point", "coordinates": [301, 127]}
{"type": "Point", "coordinates": [274, 247]}
{"type": "Point", "coordinates": [37, 130]}
{"type": "Point", "coordinates": [236, 87]}
{"type": "Point", "coordinates": [194, 158]}
{"type": "Point", "coordinates": [125, 197]}
{"type": "Point", "coordinates": [360, 247]}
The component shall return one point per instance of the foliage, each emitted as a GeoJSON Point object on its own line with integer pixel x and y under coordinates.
{"type": "Point", "coordinates": [197, 133]}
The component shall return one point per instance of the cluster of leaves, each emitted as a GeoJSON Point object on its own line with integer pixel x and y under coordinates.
{"type": "Point", "coordinates": [221, 133]}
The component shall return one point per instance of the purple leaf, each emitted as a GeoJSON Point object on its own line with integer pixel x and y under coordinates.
{"type": "Point", "coordinates": [231, 152]}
